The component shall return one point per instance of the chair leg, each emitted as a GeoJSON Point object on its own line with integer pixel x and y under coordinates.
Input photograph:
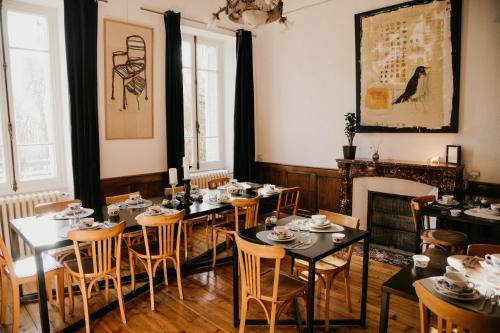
{"type": "Point", "coordinates": [272, 324]}
{"type": "Point", "coordinates": [16, 307]}
{"type": "Point", "coordinates": [118, 288]}
{"type": "Point", "coordinates": [179, 280]}
{"type": "Point", "coordinates": [71, 303]}
{"type": "Point", "coordinates": [131, 261]}
{"type": "Point", "coordinates": [106, 291]}
{"type": "Point", "coordinates": [60, 292]}
{"type": "Point", "coordinates": [328, 285]}
{"type": "Point", "coordinates": [347, 282]}
{"type": "Point", "coordinates": [318, 289]}
{"type": "Point", "coordinates": [165, 272]}
{"type": "Point", "coordinates": [3, 308]}
{"type": "Point", "coordinates": [243, 315]}
{"type": "Point", "coordinates": [151, 285]}
{"type": "Point", "coordinates": [184, 229]}
{"type": "Point", "coordinates": [48, 288]}
{"type": "Point", "coordinates": [214, 248]}
{"type": "Point", "coordinates": [85, 301]}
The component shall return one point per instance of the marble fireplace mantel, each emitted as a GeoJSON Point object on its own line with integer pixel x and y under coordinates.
{"type": "Point", "coordinates": [446, 178]}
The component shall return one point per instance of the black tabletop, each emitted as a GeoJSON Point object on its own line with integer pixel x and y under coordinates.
{"type": "Point", "coordinates": [401, 283]}
{"type": "Point", "coordinates": [443, 212]}
{"type": "Point", "coordinates": [322, 248]}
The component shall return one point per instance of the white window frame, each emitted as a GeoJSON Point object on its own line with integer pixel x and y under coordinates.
{"type": "Point", "coordinates": [59, 181]}
{"type": "Point", "coordinates": [219, 45]}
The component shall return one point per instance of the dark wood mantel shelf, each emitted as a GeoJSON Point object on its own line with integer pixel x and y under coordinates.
{"type": "Point", "coordinates": [446, 177]}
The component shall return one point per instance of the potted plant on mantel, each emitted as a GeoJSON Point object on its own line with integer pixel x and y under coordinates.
{"type": "Point", "coordinates": [350, 132]}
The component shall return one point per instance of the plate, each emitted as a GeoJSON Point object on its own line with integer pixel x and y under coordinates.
{"type": "Point", "coordinates": [452, 203]}
{"type": "Point", "coordinates": [486, 265]}
{"type": "Point", "coordinates": [474, 295]}
{"type": "Point", "coordinates": [163, 211]}
{"type": "Point", "coordinates": [84, 212]}
{"type": "Point", "coordinates": [331, 228]}
{"type": "Point", "coordinates": [326, 224]}
{"type": "Point", "coordinates": [272, 236]}
{"type": "Point", "coordinates": [491, 212]}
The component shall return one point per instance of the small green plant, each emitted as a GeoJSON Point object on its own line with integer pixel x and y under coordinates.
{"type": "Point", "coordinates": [350, 127]}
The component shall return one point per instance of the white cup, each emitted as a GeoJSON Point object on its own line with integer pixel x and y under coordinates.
{"type": "Point", "coordinates": [86, 222]}
{"type": "Point", "coordinates": [494, 259]}
{"type": "Point", "coordinates": [495, 207]}
{"type": "Point", "coordinates": [455, 212]}
{"type": "Point", "coordinates": [457, 280]}
{"type": "Point", "coordinates": [318, 219]}
{"type": "Point", "coordinates": [447, 198]}
{"type": "Point", "coordinates": [281, 232]}
{"type": "Point", "coordinates": [154, 209]}
{"type": "Point", "coordinates": [74, 206]}
{"type": "Point", "coordinates": [338, 237]}
{"type": "Point", "coordinates": [420, 260]}
{"type": "Point", "coordinates": [113, 211]}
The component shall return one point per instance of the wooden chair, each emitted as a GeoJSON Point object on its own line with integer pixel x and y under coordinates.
{"type": "Point", "coordinates": [451, 318]}
{"type": "Point", "coordinates": [104, 264]}
{"type": "Point", "coordinates": [119, 198]}
{"type": "Point", "coordinates": [250, 207]}
{"type": "Point", "coordinates": [450, 240]}
{"type": "Point", "coordinates": [480, 250]}
{"type": "Point", "coordinates": [53, 207]}
{"type": "Point", "coordinates": [153, 253]}
{"type": "Point", "coordinates": [328, 268]}
{"type": "Point", "coordinates": [216, 182]}
{"type": "Point", "coordinates": [269, 286]}
{"type": "Point", "coordinates": [187, 226]}
{"type": "Point", "coordinates": [288, 201]}
{"type": "Point", "coordinates": [24, 271]}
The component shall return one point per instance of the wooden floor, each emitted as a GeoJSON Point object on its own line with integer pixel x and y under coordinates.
{"type": "Point", "coordinates": [207, 304]}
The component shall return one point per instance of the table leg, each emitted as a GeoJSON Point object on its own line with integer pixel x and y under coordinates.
{"type": "Point", "coordinates": [418, 230]}
{"type": "Point", "coordinates": [364, 282]}
{"type": "Point", "coordinates": [236, 295]}
{"type": "Point", "coordinates": [384, 312]}
{"type": "Point", "coordinates": [42, 294]}
{"type": "Point", "coordinates": [310, 297]}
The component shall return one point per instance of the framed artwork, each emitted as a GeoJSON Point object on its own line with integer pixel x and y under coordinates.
{"type": "Point", "coordinates": [408, 67]}
{"type": "Point", "coordinates": [128, 78]}
{"type": "Point", "coordinates": [453, 155]}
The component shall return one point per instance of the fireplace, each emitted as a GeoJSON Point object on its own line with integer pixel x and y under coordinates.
{"type": "Point", "coordinates": [390, 220]}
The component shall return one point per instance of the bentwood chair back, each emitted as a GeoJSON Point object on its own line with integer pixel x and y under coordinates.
{"type": "Point", "coordinates": [53, 207]}
{"type": "Point", "coordinates": [152, 253]}
{"type": "Point", "coordinates": [480, 250]}
{"type": "Point", "coordinates": [451, 318]}
{"type": "Point", "coordinates": [288, 201]}
{"type": "Point", "coordinates": [119, 198]}
{"type": "Point", "coordinates": [418, 203]}
{"type": "Point", "coordinates": [104, 264]}
{"type": "Point", "coordinates": [24, 271]}
{"type": "Point", "coordinates": [269, 286]}
{"type": "Point", "coordinates": [216, 182]}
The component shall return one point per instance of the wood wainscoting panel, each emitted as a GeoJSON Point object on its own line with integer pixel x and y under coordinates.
{"type": "Point", "coordinates": [320, 187]}
{"type": "Point", "coordinates": [150, 185]}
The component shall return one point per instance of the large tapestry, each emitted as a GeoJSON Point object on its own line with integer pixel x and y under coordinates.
{"type": "Point", "coordinates": [408, 67]}
{"type": "Point", "coordinates": [128, 65]}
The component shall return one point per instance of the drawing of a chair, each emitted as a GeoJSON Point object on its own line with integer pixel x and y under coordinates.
{"type": "Point", "coordinates": [133, 71]}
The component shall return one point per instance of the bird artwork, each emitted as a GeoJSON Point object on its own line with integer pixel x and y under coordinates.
{"type": "Point", "coordinates": [416, 88]}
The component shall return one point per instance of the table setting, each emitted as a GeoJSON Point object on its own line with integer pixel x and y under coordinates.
{"type": "Point", "coordinates": [134, 201]}
{"type": "Point", "coordinates": [317, 223]}
{"type": "Point", "coordinates": [73, 211]}
{"type": "Point", "coordinates": [477, 208]}
{"type": "Point", "coordinates": [87, 223]}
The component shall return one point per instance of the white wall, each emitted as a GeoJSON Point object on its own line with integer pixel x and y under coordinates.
{"type": "Point", "coordinates": [306, 83]}
{"type": "Point", "coordinates": [132, 157]}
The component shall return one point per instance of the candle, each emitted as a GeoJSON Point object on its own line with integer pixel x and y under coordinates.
{"type": "Point", "coordinates": [185, 165]}
{"type": "Point", "coordinates": [172, 176]}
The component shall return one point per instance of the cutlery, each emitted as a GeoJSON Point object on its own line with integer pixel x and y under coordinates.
{"type": "Point", "coordinates": [296, 245]}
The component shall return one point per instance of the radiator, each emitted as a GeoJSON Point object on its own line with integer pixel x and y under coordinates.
{"type": "Point", "coordinates": [201, 178]}
{"type": "Point", "coordinates": [22, 205]}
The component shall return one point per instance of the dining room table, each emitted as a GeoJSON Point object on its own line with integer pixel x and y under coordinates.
{"type": "Point", "coordinates": [401, 284]}
{"type": "Point", "coordinates": [443, 213]}
{"type": "Point", "coordinates": [322, 247]}
{"type": "Point", "coordinates": [48, 232]}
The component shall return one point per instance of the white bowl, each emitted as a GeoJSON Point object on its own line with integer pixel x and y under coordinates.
{"type": "Point", "coordinates": [338, 237]}
{"type": "Point", "coordinates": [421, 260]}
{"type": "Point", "coordinates": [455, 212]}
{"type": "Point", "coordinates": [318, 219]}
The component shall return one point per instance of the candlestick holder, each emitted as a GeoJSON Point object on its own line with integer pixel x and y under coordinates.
{"type": "Point", "coordinates": [186, 199]}
{"type": "Point", "coordinates": [174, 200]}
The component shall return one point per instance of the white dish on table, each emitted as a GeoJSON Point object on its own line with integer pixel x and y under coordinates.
{"type": "Point", "coordinates": [448, 203]}
{"type": "Point", "coordinates": [274, 237]}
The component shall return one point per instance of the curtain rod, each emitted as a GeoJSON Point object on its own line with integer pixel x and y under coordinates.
{"type": "Point", "coordinates": [190, 20]}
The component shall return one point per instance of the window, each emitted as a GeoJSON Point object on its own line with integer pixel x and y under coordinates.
{"type": "Point", "coordinates": [203, 109]}
{"type": "Point", "coordinates": [34, 96]}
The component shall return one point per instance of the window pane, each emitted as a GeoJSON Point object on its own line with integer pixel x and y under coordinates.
{"type": "Point", "coordinates": [189, 149]}
{"type": "Point", "coordinates": [28, 31]}
{"type": "Point", "coordinates": [36, 162]}
{"type": "Point", "coordinates": [208, 113]}
{"type": "Point", "coordinates": [31, 90]}
{"type": "Point", "coordinates": [188, 102]}
{"type": "Point", "coordinates": [2, 167]}
{"type": "Point", "coordinates": [207, 57]}
{"type": "Point", "coordinates": [209, 149]}
{"type": "Point", "coordinates": [186, 54]}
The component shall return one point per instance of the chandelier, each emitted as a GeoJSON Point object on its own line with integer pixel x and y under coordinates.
{"type": "Point", "coordinates": [252, 12]}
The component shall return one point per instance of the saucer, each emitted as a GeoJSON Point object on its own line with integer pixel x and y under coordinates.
{"type": "Point", "coordinates": [325, 224]}
{"type": "Point", "coordinates": [488, 266]}
{"type": "Point", "coordinates": [471, 295]}
{"type": "Point", "coordinates": [272, 236]}
{"type": "Point", "coordinates": [451, 203]}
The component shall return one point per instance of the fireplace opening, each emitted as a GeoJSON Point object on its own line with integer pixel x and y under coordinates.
{"type": "Point", "coordinates": [390, 221]}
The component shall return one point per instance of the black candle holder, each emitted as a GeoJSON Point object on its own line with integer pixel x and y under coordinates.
{"type": "Point", "coordinates": [186, 198]}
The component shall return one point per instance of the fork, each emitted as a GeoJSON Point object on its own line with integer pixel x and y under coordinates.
{"type": "Point", "coordinates": [295, 244]}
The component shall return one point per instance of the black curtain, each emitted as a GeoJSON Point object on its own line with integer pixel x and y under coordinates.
{"type": "Point", "coordinates": [80, 22]}
{"type": "Point", "coordinates": [244, 131]}
{"type": "Point", "coordinates": [173, 91]}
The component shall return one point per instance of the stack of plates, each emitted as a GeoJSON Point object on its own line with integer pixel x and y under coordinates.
{"type": "Point", "coordinates": [446, 203]}
{"type": "Point", "coordinates": [274, 237]}
{"type": "Point", "coordinates": [323, 225]}
{"type": "Point", "coordinates": [442, 288]}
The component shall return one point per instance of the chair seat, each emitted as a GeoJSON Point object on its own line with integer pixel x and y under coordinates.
{"type": "Point", "coordinates": [289, 287]}
{"type": "Point", "coordinates": [326, 265]}
{"type": "Point", "coordinates": [444, 237]}
{"type": "Point", "coordinates": [26, 267]}
{"type": "Point", "coordinates": [87, 265]}
{"type": "Point", "coordinates": [140, 249]}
